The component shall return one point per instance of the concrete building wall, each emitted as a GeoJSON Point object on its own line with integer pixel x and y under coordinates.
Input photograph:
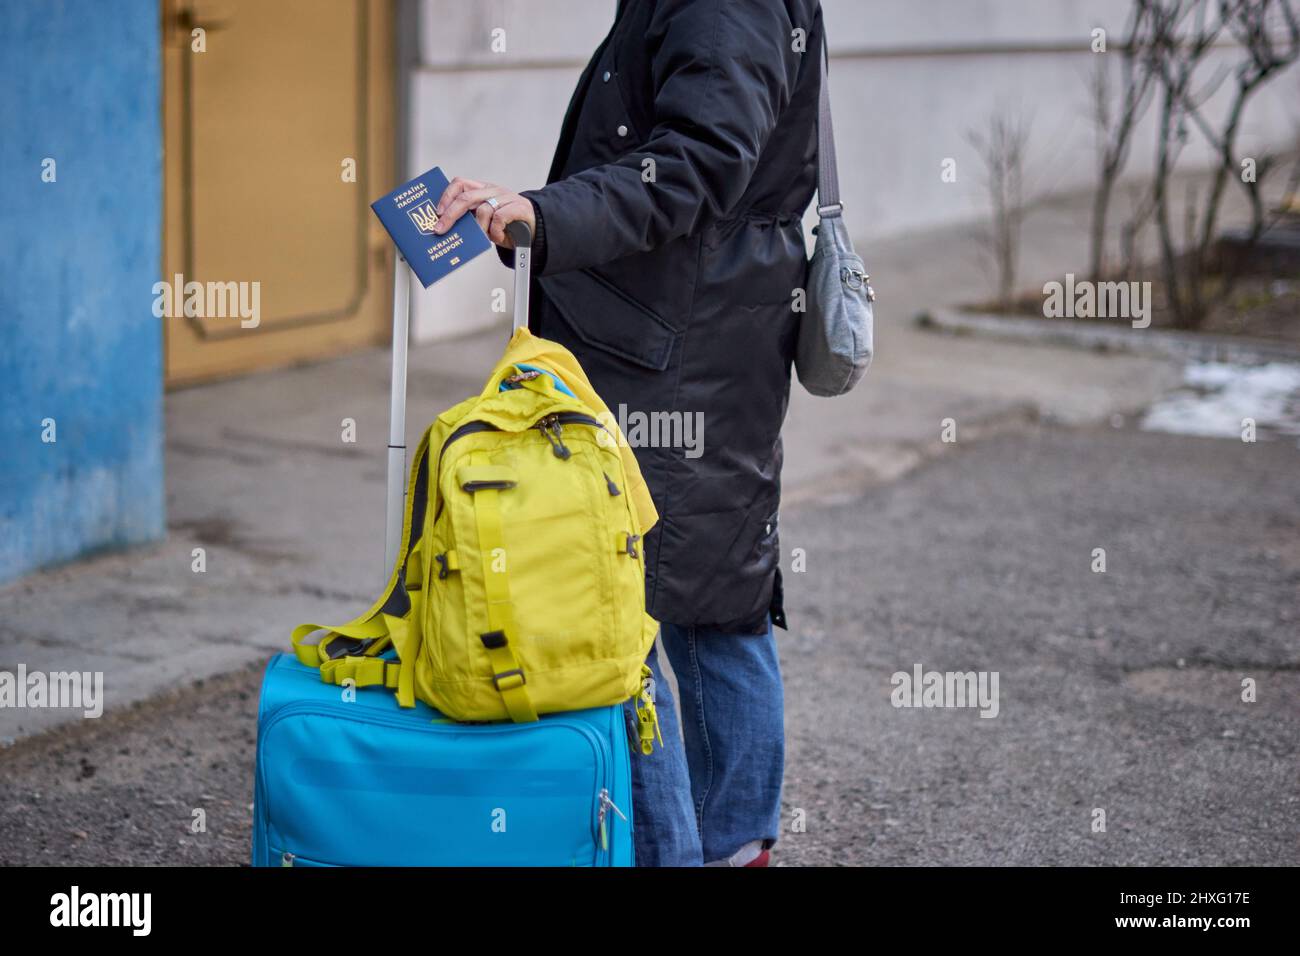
{"type": "Point", "coordinates": [79, 84]}
{"type": "Point", "coordinates": [910, 80]}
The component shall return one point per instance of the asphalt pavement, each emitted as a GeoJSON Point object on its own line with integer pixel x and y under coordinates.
{"type": "Point", "coordinates": [1118, 691]}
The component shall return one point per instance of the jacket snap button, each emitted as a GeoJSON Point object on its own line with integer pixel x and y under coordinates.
{"type": "Point", "coordinates": [605, 78]}
{"type": "Point", "coordinates": [767, 529]}
{"type": "Point", "coordinates": [622, 131]}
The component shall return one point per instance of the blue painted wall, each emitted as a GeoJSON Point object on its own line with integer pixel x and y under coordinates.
{"type": "Point", "coordinates": [79, 83]}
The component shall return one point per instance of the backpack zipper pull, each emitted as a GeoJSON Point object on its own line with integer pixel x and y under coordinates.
{"type": "Point", "coordinates": [551, 424]}
{"type": "Point", "coordinates": [647, 718]}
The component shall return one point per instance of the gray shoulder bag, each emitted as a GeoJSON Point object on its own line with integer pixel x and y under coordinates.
{"type": "Point", "coordinates": [834, 347]}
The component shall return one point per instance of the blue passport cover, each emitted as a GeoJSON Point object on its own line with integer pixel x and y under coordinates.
{"type": "Point", "coordinates": [408, 215]}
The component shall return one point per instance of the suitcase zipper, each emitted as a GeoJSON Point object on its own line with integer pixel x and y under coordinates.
{"type": "Point", "coordinates": [288, 859]}
{"type": "Point", "coordinates": [606, 804]}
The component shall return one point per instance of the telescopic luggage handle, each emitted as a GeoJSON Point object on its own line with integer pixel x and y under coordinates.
{"type": "Point", "coordinates": [395, 501]}
{"type": "Point", "coordinates": [395, 506]}
{"type": "Point", "coordinates": [522, 238]}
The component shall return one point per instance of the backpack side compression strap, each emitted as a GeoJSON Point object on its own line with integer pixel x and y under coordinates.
{"type": "Point", "coordinates": [485, 482]}
{"type": "Point", "coordinates": [377, 630]}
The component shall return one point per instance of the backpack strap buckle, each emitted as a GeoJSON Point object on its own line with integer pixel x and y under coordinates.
{"type": "Point", "coordinates": [514, 672]}
{"type": "Point", "coordinates": [341, 646]}
{"type": "Point", "coordinates": [625, 543]}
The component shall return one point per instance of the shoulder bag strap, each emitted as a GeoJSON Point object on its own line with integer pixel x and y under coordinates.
{"type": "Point", "coordinates": [828, 177]}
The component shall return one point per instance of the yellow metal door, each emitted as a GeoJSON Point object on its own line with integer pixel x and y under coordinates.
{"type": "Point", "coordinates": [278, 122]}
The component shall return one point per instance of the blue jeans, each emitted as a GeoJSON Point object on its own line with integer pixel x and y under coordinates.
{"type": "Point", "coordinates": [715, 783]}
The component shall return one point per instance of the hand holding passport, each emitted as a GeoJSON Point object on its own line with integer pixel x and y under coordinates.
{"type": "Point", "coordinates": [407, 213]}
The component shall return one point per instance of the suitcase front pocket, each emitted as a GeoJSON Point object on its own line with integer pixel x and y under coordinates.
{"type": "Point", "coordinates": [377, 789]}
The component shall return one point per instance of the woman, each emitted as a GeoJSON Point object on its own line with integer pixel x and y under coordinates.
{"type": "Point", "coordinates": [668, 252]}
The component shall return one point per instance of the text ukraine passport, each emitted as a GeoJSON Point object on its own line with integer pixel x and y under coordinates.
{"type": "Point", "coordinates": [408, 215]}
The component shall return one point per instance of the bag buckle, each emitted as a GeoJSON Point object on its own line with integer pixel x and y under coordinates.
{"type": "Point", "coordinates": [515, 672]}
{"type": "Point", "coordinates": [344, 646]}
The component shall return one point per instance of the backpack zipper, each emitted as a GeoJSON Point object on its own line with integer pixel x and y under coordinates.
{"type": "Point", "coordinates": [468, 428]}
{"type": "Point", "coordinates": [549, 425]}
{"type": "Point", "coordinates": [553, 422]}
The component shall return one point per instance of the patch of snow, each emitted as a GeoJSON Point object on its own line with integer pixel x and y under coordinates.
{"type": "Point", "coordinates": [1217, 396]}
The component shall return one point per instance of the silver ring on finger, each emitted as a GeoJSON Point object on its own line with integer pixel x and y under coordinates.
{"type": "Point", "coordinates": [492, 201]}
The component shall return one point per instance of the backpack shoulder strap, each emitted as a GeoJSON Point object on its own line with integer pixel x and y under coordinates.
{"type": "Point", "coordinates": [351, 651]}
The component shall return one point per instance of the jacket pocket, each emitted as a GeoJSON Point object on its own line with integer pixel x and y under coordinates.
{"type": "Point", "coordinates": [619, 81]}
{"type": "Point", "coordinates": [605, 317]}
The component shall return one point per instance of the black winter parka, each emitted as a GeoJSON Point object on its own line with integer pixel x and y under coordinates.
{"type": "Point", "coordinates": [671, 246]}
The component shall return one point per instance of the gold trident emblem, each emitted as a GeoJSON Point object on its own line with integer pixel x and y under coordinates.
{"type": "Point", "coordinates": [424, 217]}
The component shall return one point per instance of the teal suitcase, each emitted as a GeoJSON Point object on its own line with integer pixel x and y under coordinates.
{"type": "Point", "coordinates": [363, 782]}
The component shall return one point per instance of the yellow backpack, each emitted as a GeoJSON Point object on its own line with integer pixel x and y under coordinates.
{"type": "Point", "coordinates": [519, 587]}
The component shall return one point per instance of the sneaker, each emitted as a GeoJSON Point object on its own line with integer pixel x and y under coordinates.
{"type": "Point", "coordinates": [751, 854]}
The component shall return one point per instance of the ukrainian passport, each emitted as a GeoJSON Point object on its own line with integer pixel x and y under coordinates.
{"type": "Point", "coordinates": [409, 216]}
